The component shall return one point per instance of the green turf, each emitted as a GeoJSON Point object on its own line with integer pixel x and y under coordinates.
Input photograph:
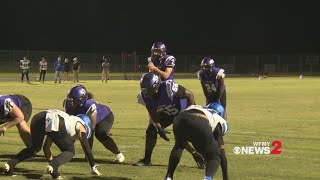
{"type": "Point", "coordinates": [285, 109]}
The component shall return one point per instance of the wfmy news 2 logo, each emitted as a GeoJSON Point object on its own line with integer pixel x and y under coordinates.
{"type": "Point", "coordinates": [258, 148]}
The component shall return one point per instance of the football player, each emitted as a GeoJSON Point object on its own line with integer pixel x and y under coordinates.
{"type": "Point", "coordinates": [163, 100]}
{"type": "Point", "coordinates": [218, 136]}
{"type": "Point", "coordinates": [212, 82]}
{"type": "Point", "coordinates": [61, 129]}
{"type": "Point", "coordinates": [16, 110]}
{"type": "Point", "coordinates": [202, 122]}
{"type": "Point", "coordinates": [79, 101]}
{"type": "Point", "coordinates": [160, 63]}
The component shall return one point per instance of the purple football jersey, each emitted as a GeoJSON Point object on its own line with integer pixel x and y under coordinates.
{"type": "Point", "coordinates": [165, 61]}
{"type": "Point", "coordinates": [211, 83]}
{"type": "Point", "coordinates": [6, 104]}
{"type": "Point", "coordinates": [167, 100]}
{"type": "Point", "coordinates": [90, 107]}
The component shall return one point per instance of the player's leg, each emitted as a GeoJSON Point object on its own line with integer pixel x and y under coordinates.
{"type": "Point", "coordinates": [44, 75]}
{"type": "Point", "coordinates": [180, 135]}
{"type": "Point", "coordinates": [22, 75]}
{"type": "Point", "coordinates": [27, 75]}
{"type": "Point", "coordinates": [218, 136]}
{"type": "Point", "coordinates": [102, 134]}
{"type": "Point", "coordinates": [37, 135]}
{"type": "Point", "coordinates": [23, 128]}
{"type": "Point", "coordinates": [64, 142]}
{"type": "Point", "coordinates": [40, 76]}
{"type": "Point", "coordinates": [223, 101]}
{"type": "Point", "coordinates": [150, 143]}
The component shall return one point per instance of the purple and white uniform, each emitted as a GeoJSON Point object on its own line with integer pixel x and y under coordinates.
{"type": "Point", "coordinates": [90, 107]}
{"type": "Point", "coordinates": [210, 83]}
{"type": "Point", "coordinates": [167, 101]}
{"type": "Point", "coordinates": [165, 61]}
{"type": "Point", "coordinates": [6, 106]}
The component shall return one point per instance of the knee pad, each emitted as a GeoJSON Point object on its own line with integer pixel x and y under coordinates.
{"type": "Point", "coordinates": [151, 132]}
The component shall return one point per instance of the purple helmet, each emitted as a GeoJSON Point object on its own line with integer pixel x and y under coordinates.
{"type": "Point", "coordinates": [77, 96]}
{"type": "Point", "coordinates": [206, 64]}
{"type": "Point", "coordinates": [158, 49]}
{"type": "Point", "coordinates": [150, 84]}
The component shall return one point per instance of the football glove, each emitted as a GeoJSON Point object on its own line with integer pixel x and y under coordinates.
{"type": "Point", "coordinates": [163, 134]}
{"type": "Point", "coordinates": [199, 160]}
{"type": "Point", "coordinates": [95, 171]}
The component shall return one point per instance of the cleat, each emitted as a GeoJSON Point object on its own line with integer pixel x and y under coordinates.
{"type": "Point", "coordinates": [59, 178]}
{"type": "Point", "coordinates": [143, 162]}
{"type": "Point", "coordinates": [119, 158]}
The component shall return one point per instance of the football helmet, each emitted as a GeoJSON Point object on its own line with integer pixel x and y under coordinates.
{"type": "Point", "coordinates": [150, 84]}
{"type": "Point", "coordinates": [87, 124]}
{"type": "Point", "coordinates": [206, 64]}
{"type": "Point", "coordinates": [77, 96]}
{"type": "Point", "coordinates": [158, 49]}
{"type": "Point", "coordinates": [217, 107]}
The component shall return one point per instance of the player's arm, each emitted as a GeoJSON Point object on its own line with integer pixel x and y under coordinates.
{"type": "Point", "coordinates": [15, 114]}
{"type": "Point", "coordinates": [184, 93]}
{"type": "Point", "coordinates": [82, 136]}
{"type": "Point", "coordinates": [220, 76]}
{"type": "Point", "coordinates": [46, 149]}
{"type": "Point", "coordinates": [154, 118]}
{"type": "Point", "coordinates": [164, 74]}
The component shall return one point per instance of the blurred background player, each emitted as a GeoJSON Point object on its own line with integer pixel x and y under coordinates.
{"type": "Point", "coordinates": [16, 110]}
{"type": "Point", "coordinates": [202, 122]}
{"type": "Point", "coordinates": [160, 63]}
{"type": "Point", "coordinates": [43, 65]}
{"type": "Point", "coordinates": [76, 69]}
{"type": "Point", "coordinates": [163, 100]}
{"type": "Point", "coordinates": [105, 69]}
{"type": "Point", "coordinates": [79, 101]}
{"type": "Point", "coordinates": [66, 69]}
{"type": "Point", "coordinates": [25, 65]}
{"type": "Point", "coordinates": [61, 129]}
{"type": "Point", "coordinates": [58, 69]}
{"type": "Point", "coordinates": [212, 82]}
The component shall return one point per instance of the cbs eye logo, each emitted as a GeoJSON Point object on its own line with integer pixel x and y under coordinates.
{"type": "Point", "coordinates": [260, 148]}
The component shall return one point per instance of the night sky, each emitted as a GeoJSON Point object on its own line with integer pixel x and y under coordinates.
{"type": "Point", "coordinates": [224, 26]}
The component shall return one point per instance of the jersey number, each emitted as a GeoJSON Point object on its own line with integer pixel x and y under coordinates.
{"type": "Point", "coordinates": [211, 88]}
{"type": "Point", "coordinates": [170, 110]}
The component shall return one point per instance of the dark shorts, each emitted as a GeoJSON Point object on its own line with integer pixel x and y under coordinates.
{"type": "Point", "coordinates": [104, 126]}
{"type": "Point", "coordinates": [195, 129]}
{"type": "Point", "coordinates": [25, 106]}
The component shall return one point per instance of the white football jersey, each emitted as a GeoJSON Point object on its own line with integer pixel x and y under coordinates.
{"type": "Point", "coordinates": [213, 118]}
{"type": "Point", "coordinates": [72, 123]}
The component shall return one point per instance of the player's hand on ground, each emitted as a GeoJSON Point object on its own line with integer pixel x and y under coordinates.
{"type": "Point", "coordinates": [199, 160]}
{"type": "Point", "coordinates": [95, 171]}
{"type": "Point", "coordinates": [163, 134]}
{"type": "Point", "coordinates": [2, 130]}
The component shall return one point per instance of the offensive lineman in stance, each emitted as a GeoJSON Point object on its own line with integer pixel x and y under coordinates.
{"type": "Point", "coordinates": [163, 100]}
{"type": "Point", "coordinates": [61, 129]}
{"type": "Point", "coordinates": [196, 125]}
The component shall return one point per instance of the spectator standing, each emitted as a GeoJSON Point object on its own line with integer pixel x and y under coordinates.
{"type": "Point", "coordinates": [66, 69]}
{"type": "Point", "coordinates": [58, 69]}
{"type": "Point", "coordinates": [76, 69]}
{"type": "Point", "coordinates": [43, 65]}
{"type": "Point", "coordinates": [105, 69]}
{"type": "Point", "coordinates": [25, 65]}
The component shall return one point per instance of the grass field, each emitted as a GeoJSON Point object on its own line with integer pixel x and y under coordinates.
{"type": "Point", "coordinates": [284, 109]}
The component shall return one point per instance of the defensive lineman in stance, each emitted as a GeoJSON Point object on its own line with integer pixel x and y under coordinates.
{"type": "Point", "coordinates": [202, 122]}
{"type": "Point", "coordinates": [61, 129]}
{"type": "Point", "coordinates": [163, 100]}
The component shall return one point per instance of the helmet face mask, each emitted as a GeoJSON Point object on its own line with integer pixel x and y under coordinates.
{"type": "Point", "coordinates": [77, 96]}
{"type": "Point", "coordinates": [150, 84]}
{"type": "Point", "coordinates": [158, 49]}
{"type": "Point", "coordinates": [207, 64]}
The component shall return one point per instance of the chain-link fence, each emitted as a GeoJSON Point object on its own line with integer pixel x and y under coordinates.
{"type": "Point", "coordinates": [187, 63]}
